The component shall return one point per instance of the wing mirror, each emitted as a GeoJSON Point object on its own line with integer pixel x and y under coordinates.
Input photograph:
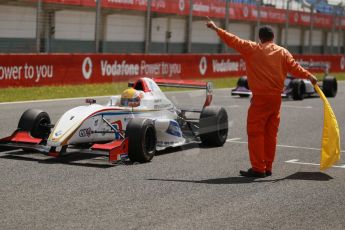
{"type": "Point", "coordinates": [90, 101]}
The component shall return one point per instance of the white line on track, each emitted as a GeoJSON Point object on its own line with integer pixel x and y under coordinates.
{"type": "Point", "coordinates": [296, 161]}
{"type": "Point", "coordinates": [231, 106]}
{"type": "Point", "coordinates": [233, 139]}
{"type": "Point", "coordinates": [282, 146]}
{"type": "Point", "coordinates": [296, 107]}
{"type": "Point", "coordinates": [53, 100]}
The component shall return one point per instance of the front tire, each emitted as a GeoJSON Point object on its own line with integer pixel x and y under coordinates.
{"type": "Point", "coordinates": [213, 126]}
{"type": "Point", "coordinates": [142, 140]}
{"type": "Point", "coordinates": [36, 122]}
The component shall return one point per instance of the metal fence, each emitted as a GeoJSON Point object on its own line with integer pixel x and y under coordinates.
{"type": "Point", "coordinates": [94, 21]}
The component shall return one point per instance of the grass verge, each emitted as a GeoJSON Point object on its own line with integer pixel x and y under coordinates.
{"type": "Point", "coordinates": [90, 90]}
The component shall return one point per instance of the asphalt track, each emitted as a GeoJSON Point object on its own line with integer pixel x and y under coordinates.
{"type": "Point", "coordinates": [188, 188]}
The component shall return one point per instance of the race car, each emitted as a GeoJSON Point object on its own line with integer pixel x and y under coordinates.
{"type": "Point", "coordinates": [134, 125]}
{"type": "Point", "coordinates": [295, 88]}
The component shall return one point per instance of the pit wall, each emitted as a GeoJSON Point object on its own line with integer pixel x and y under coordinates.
{"type": "Point", "coordinates": [26, 70]}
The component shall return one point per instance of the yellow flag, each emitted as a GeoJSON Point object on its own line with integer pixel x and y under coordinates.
{"type": "Point", "coordinates": [330, 150]}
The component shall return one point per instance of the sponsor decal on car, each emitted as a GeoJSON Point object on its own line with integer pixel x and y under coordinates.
{"type": "Point", "coordinates": [118, 126]}
{"type": "Point", "coordinates": [166, 143]}
{"type": "Point", "coordinates": [161, 106]}
{"type": "Point", "coordinates": [85, 132]}
{"type": "Point", "coordinates": [58, 133]}
{"type": "Point", "coordinates": [174, 129]}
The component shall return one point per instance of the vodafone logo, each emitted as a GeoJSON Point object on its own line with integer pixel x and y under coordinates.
{"type": "Point", "coordinates": [342, 63]}
{"type": "Point", "coordinates": [87, 68]}
{"type": "Point", "coordinates": [245, 12]}
{"type": "Point", "coordinates": [181, 5]}
{"type": "Point", "coordinates": [203, 65]}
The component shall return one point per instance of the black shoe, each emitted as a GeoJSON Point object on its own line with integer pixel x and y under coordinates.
{"type": "Point", "coordinates": [252, 173]}
{"type": "Point", "coordinates": [268, 173]}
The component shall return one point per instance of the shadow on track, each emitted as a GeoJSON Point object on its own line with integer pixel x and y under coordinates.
{"type": "Point", "coordinates": [93, 161]}
{"type": "Point", "coordinates": [226, 180]}
{"type": "Point", "coordinates": [312, 176]}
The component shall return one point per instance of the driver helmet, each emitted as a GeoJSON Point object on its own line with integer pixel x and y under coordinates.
{"type": "Point", "coordinates": [131, 97]}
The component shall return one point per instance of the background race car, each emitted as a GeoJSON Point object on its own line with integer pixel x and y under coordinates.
{"type": "Point", "coordinates": [295, 88]}
{"type": "Point", "coordinates": [136, 124]}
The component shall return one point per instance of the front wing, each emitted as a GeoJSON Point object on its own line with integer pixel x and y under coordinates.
{"type": "Point", "coordinates": [114, 150]}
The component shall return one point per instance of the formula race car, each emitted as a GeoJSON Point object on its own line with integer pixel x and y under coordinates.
{"type": "Point", "coordinates": [136, 124]}
{"type": "Point", "coordinates": [295, 88]}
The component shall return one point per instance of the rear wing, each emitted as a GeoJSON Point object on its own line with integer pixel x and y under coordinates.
{"type": "Point", "coordinates": [208, 86]}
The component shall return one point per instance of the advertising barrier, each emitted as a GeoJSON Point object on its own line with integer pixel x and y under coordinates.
{"type": "Point", "coordinates": [25, 70]}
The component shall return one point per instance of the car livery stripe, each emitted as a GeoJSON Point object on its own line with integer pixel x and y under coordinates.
{"type": "Point", "coordinates": [109, 113]}
{"type": "Point", "coordinates": [76, 126]}
{"type": "Point", "coordinates": [97, 113]}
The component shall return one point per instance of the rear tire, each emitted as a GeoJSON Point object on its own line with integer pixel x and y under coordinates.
{"type": "Point", "coordinates": [213, 124]}
{"type": "Point", "coordinates": [35, 122]}
{"type": "Point", "coordinates": [330, 86]}
{"type": "Point", "coordinates": [142, 140]}
{"type": "Point", "coordinates": [298, 89]}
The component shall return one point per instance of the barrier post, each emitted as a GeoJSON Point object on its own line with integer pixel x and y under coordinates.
{"type": "Point", "coordinates": [189, 28]}
{"type": "Point", "coordinates": [334, 21]}
{"type": "Point", "coordinates": [287, 23]}
{"type": "Point", "coordinates": [258, 22]}
{"type": "Point", "coordinates": [311, 6]}
{"type": "Point", "coordinates": [340, 26]}
{"type": "Point", "coordinates": [148, 27]}
{"type": "Point", "coordinates": [97, 25]}
{"type": "Point", "coordinates": [38, 25]}
{"type": "Point", "coordinates": [226, 23]}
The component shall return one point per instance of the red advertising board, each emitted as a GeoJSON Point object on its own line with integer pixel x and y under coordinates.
{"type": "Point", "coordinates": [272, 15]}
{"type": "Point", "coordinates": [161, 6]}
{"type": "Point", "coordinates": [213, 8]}
{"type": "Point", "coordinates": [26, 70]}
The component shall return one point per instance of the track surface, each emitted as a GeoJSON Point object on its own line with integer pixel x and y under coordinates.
{"type": "Point", "coordinates": [191, 188]}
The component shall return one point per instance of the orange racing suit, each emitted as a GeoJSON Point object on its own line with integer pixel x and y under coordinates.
{"type": "Point", "coordinates": [267, 65]}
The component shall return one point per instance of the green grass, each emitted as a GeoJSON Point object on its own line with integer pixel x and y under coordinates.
{"type": "Point", "coordinates": [52, 92]}
{"type": "Point", "coordinates": [339, 76]}
{"type": "Point", "coordinates": [67, 91]}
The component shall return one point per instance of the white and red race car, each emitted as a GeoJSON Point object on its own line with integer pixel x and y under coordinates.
{"type": "Point", "coordinates": [149, 123]}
